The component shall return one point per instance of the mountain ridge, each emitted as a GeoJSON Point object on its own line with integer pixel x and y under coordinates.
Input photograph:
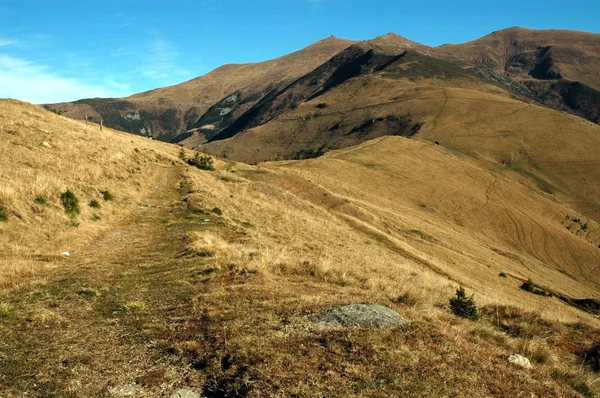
{"type": "Point", "coordinates": [542, 65]}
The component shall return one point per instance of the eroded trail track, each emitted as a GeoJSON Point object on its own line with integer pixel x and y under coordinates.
{"type": "Point", "coordinates": [89, 328]}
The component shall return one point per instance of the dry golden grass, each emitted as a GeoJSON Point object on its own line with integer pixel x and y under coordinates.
{"type": "Point", "coordinates": [205, 278]}
{"type": "Point", "coordinates": [79, 158]}
{"type": "Point", "coordinates": [539, 146]}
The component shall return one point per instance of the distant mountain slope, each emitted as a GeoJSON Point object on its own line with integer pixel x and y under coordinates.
{"type": "Point", "coordinates": [166, 112]}
{"type": "Point", "coordinates": [540, 54]}
{"type": "Point", "coordinates": [554, 68]}
{"type": "Point", "coordinates": [558, 68]}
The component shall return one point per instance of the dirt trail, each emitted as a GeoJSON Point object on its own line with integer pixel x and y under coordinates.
{"type": "Point", "coordinates": [91, 329]}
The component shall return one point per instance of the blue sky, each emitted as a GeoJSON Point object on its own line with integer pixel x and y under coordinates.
{"type": "Point", "coordinates": [53, 51]}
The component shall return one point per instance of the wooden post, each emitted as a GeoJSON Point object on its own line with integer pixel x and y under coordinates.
{"type": "Point", "coordinates": [101, 121]}
{"type": "Point", "coordinates": [86, 118]}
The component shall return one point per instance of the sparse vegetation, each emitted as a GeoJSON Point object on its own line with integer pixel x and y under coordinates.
{"type": "Point", "coordinates": [203, 162]}
{"type": "Point", "coordinates": [95, 217]}
{"type": "Point", "coordinates": [531, 287]}
{"type": "Point", "coordinates": [182, 155]}
{"type": "Point", "coordinates": [502, 275]}
{"type": "Point", "coordinates": [407, 298]}
{"type": "Point", "coordinates": [6, 309]}
{"type": "Point", "coordinates": [223, 306]}
{"type": "Point", "coordinates": [576, 380]}
{"type": "Point", "coordinates": [107, 195]}
{"type": "Point", "coordinates": [41, 200]}
{"type": "Point", "coordinates": [70, 203]}
{"type": "Point", "coordinates": [217, 211]}
{"type": "Point", "coordinates": [464, 306]}
{"type": "Point", "coordinates": [136, 306]}
{"type": "Point", "coordinates": [94, 204]}
{"type": "Point", "coordinates": [3, 214]}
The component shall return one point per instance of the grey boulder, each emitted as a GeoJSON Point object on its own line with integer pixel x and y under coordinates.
{"type": "Point", "coordinates": [371, 316]}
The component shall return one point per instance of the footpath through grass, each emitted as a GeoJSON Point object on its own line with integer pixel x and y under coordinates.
{"type": "Point", "coordinates": [144, 315]}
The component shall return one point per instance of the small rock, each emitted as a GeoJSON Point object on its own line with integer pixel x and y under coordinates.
{"type": "Point", "coordinates": [46, 144]}
{"type": "Point", "coordinates": [358, 316]}
{"type": "Point", "coordinates": [65, 254]}
{"type": "Point", "coordinates": [520, 360]}
{"type": "Point", "coordinates": [186, 393]}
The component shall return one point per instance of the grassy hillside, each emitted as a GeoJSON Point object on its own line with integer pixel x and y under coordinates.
{"type": "Point", "coordinates": [543, 148]}
{"type": "Point", "coordinates": [44, 156]}
{"type": "Point", "coordinates": [204, 279]}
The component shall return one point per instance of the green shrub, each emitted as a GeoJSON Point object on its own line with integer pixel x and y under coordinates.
{"type": "Point", "coordinates": [70, 203]}
{"type": "Point", "coordinates": [464, 306]}
{"type": "Point", "coordinates": [502, 275]}
{"type": "Point", "coordinates": [217, 211]}
{"type": "Point", "coordinates": [182, 155]}
{"type": "Point", "coordinates": [531, 287]}
{"type": "Point", "coordinates": [94, 204]}
{"type": "Point", "coordinates": [41, 200]}
{"type": "Point", "coordinates": [203, 162]}
{"type": "Point", "coordinates": [106, 195]}
{"type": "Point", "coordinates": [95, 217]}
{"type": "Point", "coordinates": [3, 214]}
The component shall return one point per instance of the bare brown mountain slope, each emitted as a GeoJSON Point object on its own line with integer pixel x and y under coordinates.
{"type": "Point", "coordinates": [506, 69]}
{"type": "Point", "coordinates": [168, 111]}
{"type": "Point", "coordinates": [554, 68]}
{"type": "Point", "coordinates": [544, 54]}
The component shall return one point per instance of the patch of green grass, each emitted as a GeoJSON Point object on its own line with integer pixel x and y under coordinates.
{"type": "Point", "coordinates": [244, 224]}
{"type": "Point", "coordinates": [135, 306]}
{"type": "Point", "coordinates": [416, 232]}
{"type": "Point", "coordinates": [41, 200]}
{"type": "Point", "coordinates": [461, 150]}
{"type": "Point", "coordinates": [107, 195]}
{"type": "Point", "coordinates": [6, 309]}
{"type": "Point", "coordinates": [567, 273]}
{"type": "Point", "coordinates": [70, 203]}
{"type": "Point", "coordinates": [95, 217]}
{"type": "Point", "coordinates": [217, 211]}
{"type": "Point", "coordinates": [3, 214]}
{"type": "Point", "coordinates": [94, 204]}
{"type": "Point", "coordinates": [542, 184]}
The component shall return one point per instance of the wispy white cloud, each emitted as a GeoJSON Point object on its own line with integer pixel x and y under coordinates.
{"type": "Point", "coordinates": [161, 61]}
{"type": "Point", "coordinates": [7, 42]}
{"type": "Point", "coordinates": [27, 81]}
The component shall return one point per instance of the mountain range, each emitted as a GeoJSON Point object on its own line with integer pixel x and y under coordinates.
{"type": "Point", "coordinates": [381, 172]}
